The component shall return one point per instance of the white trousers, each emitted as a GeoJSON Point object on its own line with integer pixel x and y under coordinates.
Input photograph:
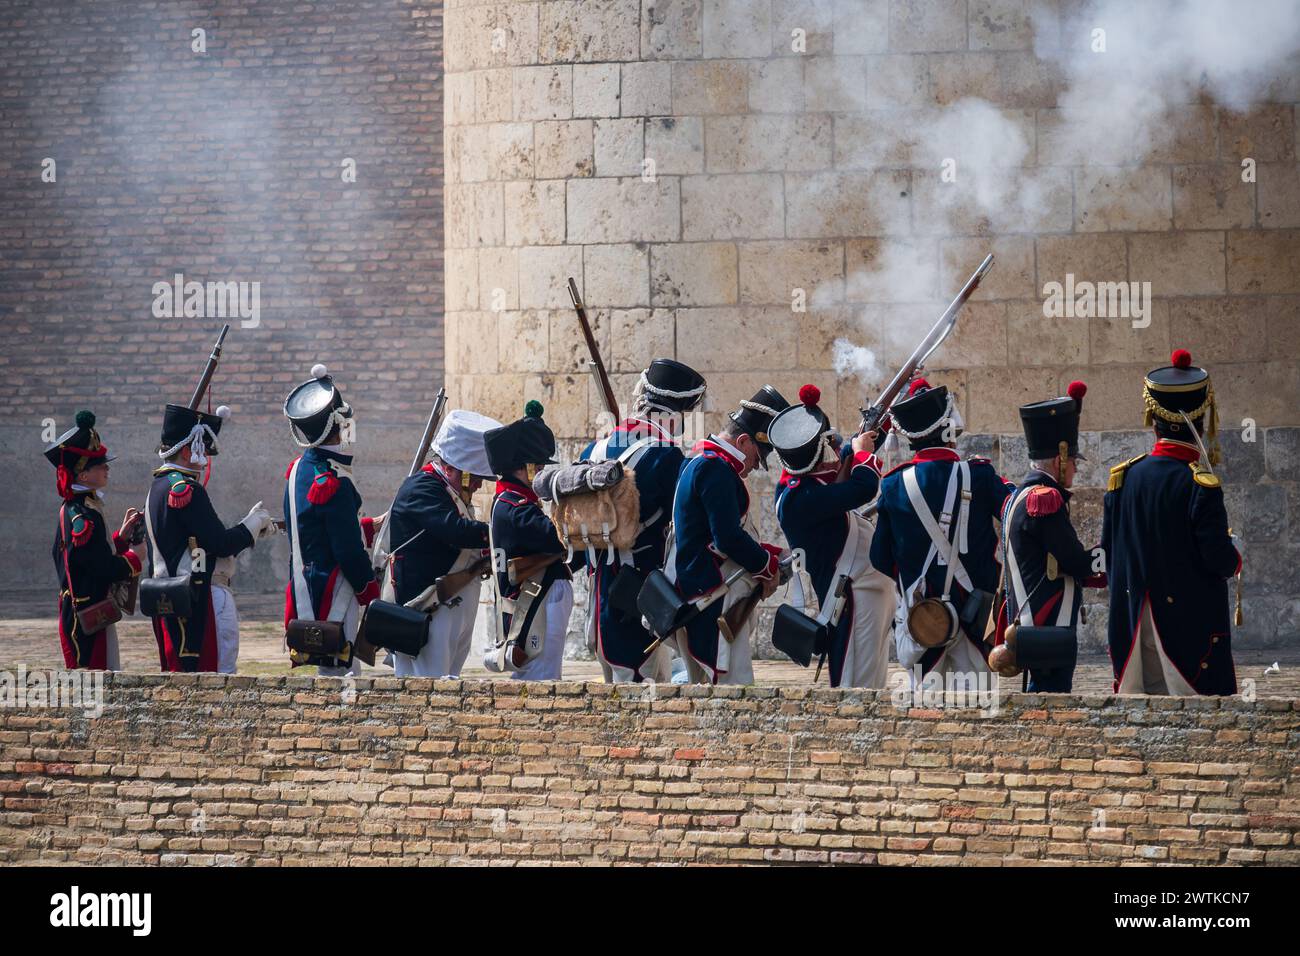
{"type": "Point", "coordinates": [866, 663]}
{"type": "Point", "coordinates": [550, 662]}
{"type": "Point", "coordinates": [451, 631]}
{"type": "Point", "coordinates": [227, 618]}
{"type": "Point", "coordinates": [1149, 670]}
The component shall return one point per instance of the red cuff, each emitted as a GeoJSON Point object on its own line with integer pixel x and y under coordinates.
{"type": "Point", "coordinates": [132, 559]}
{"type": "Point", "coordinates": [368, 593]}
{"type": "Point", "coordinates": [368, 531]}
{"type": "Point", "coordinates": [120, 544]}
{"type": "Point", "coordinates": [771, 569]}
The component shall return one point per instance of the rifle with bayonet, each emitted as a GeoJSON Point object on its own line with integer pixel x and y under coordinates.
{"type": "Point", "coordinates": [379, 552]}
{"type": "Point", "coordinates": [597, 364]}
{"type": "Point", "coordinates": [875, 413]}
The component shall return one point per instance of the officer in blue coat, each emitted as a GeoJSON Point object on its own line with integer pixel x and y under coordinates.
{"type": "Point", "coordinates": [647, 442]}
{"type": "Point", "coordinates": [533, 607]}
{"type": "Point", "coordinates": [937, 515]}
{"type": "Point", "coordinates": [330, 572]}
{"type": "Point", "coordinates": [715, 535]}
{"type": "Point", "coordinates": [187, 536]}
{"type": "Point", "coordinates": [88, 561]}
{"type": "Point", "coordinates": [434, 531]}
{"type": "Point", "coordinates": [1169, 549]}
{"type": "Point", "coordinates": [1046, 565]}
{"type": "Point", "coordinates": [821, 518]}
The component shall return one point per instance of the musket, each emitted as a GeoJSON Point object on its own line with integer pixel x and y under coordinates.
{"type": "Point", "coordinates": [597, 365]}
{"type": "Point", "coordinates": [209, 370]}
{"type": "Point", "coordinates": [379, 552]}
{"type": "Point", "coordinates": [875, 413]}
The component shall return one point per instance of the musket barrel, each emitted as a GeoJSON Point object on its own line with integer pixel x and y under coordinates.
{"type": "Point", "coordinates": [209, 370]}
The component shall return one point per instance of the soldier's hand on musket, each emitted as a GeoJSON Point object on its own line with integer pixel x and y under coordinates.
{"type": "Point", "coordinates": [130, 521]}
{"type": "Point", "coordinates": [259, 523]}
{"type": "Point", "coordinates": [866, 441]}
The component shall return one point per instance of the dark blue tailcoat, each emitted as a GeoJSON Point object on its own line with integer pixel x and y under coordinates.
{"type": "Point", "coordinates": [425, 514]}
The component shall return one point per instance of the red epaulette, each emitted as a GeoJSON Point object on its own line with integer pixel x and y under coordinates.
{"type": "Point", "coordinates": [181, 492]}
{"type": "Point", "coordinates": [81, 526]}
{"type": "Point", "coordinates": [979, 460]}
{"type": "Point", "coordinates": [1043, 500]}
{"type": "Point", "coordinates": [513, 498]}
{"type": "Point", "coordinates": [324, 485]}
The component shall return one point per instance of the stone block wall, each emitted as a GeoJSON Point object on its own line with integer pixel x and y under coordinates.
{"type": "Point", "coordinates": [696, 173]}
{"type": "Point", "coordinates": [194, 770]}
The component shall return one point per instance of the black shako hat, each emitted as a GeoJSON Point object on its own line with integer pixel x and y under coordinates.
{"type": "Point", "coordinates": [670, 386]}
{"type": "Point", "coordinates": [315, 407]}
{"type": "Point", "coordinates": [76, 450]}
{"type": "Point", "coordinates": [799, 433]}
{"type": "Point", "coordinates": [923, 412]}
{"type": "Point", "coordinates": [1049, 424]}
{"type": "Point", "coordinates": [755, 417]}
{"type": "Point", "coordinates": [179, 422]}
{"type": "Point", "coordinates": [525, 441]}
{"type": "Point", "coordinates": [1181, 388]}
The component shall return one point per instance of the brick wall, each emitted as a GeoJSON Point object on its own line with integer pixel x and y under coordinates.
{"type": "Point", "coordinates": [223, 166]}
{"type": "Point", "coordinates": [196, 770]}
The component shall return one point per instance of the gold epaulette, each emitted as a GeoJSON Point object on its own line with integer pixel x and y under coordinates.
{"type": "Point", "coordinates": [1203, 476]}
{"type": "Point", "coordinates": [1117, 473]}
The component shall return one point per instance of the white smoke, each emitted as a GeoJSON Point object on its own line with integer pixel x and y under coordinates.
{"type": "Point", "coordinates": [1158, 60]}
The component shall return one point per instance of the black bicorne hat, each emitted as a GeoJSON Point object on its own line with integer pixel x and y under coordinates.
{"type": "Point", "coordinates": [315, 407]}
{"type": "Point", "coordinates": [923, 412]}
{"type": "Point", "coordinates": [1048, 424]}
{"type": "Point", "coordinates": [76, 450]}
{"type": "Point", "coordinates": [755, 417]}
{"type": "Point", "coordinates": [526, 441]}
{"type": "Point", "coordinates": [798, 433]}
{"type": "Point", "coordinates": [179, 422]}
{"type": "Point", "coordinates": [671, 386]}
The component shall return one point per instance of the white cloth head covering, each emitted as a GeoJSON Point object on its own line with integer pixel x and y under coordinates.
{"type": "Point", "coordinates": [459, 441]}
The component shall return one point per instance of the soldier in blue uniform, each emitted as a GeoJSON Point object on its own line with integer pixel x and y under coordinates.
{"type": "Point", "coordinates": [1169, 549]}
{"type": "Point", "coordinates": [715, 535]}
{"type": "Point", "coordinates": [434, 531]}
{"type": "Point", "coordinates": [87, 562]}
{"type": "Point", "coordinates": [330, 572]}
{"type": "Point", "coordinates": [820, 517]}
{"type": "Point", "coordinates": [532, 612]}
{"type": "Point", "coordinates": [936, 535]}
{"type": "Point", "coordinates": [186, 536]}
{"type": "Point", "coordinates": [1046, 566]}
{"type": "Point", "coordinates": [648, 443]}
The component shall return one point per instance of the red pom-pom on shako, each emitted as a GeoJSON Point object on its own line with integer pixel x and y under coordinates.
{"type": "Point", "coordinates": [810, 394]}
{"type": "Point", "coordinates": [1181, 358]}
{"type": "Point", "coordinates": [1077, 390]}
{"type": "Point", "coordinates": [917, 385]}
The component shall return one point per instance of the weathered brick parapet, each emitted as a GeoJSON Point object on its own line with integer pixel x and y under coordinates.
{"type": "Point", "coordinates": [269, 771]}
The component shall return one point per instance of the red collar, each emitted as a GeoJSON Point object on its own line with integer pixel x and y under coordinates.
{"type": "Point", "coordinates": [438, 473]}
{"type": "Point", "coordinates": [708, 444]}
{"type": "Point", "coordinates": [936, 454]}
{"type": "Point", "coordinates": [509, 484]}
{"type": "Point", "coordinates": [1166, 448]}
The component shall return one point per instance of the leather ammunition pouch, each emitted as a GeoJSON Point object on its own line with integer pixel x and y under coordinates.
{"type": "Point", "coordinates": [660, 604]}
{"type": "Point", "coordinates": [624, 589]}
{"type": "Point", "coordinates": [1043, 647]}
{"type": "Point", "coordinates": [394, 627]}
{"type": "Point", "coordinates": [166, 597]}
{"type": "Point", "coordinates": [799, 636]}
{"type": "Point", "coordinates": [975, 613]}
{"type": "Point", "coordinates": [315, 637]}
{"type": "Point", "coordinates": [98, 616]}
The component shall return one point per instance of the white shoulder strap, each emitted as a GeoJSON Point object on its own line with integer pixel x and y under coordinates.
{"type": "Point", "coordinates": [183, 566]}
{"type": "Point", "coordinates": [302, 593]}
{"type": "Point", "coordinates": [947, 551]}
{"type": "Point", "coordinates": [1025, 613]}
